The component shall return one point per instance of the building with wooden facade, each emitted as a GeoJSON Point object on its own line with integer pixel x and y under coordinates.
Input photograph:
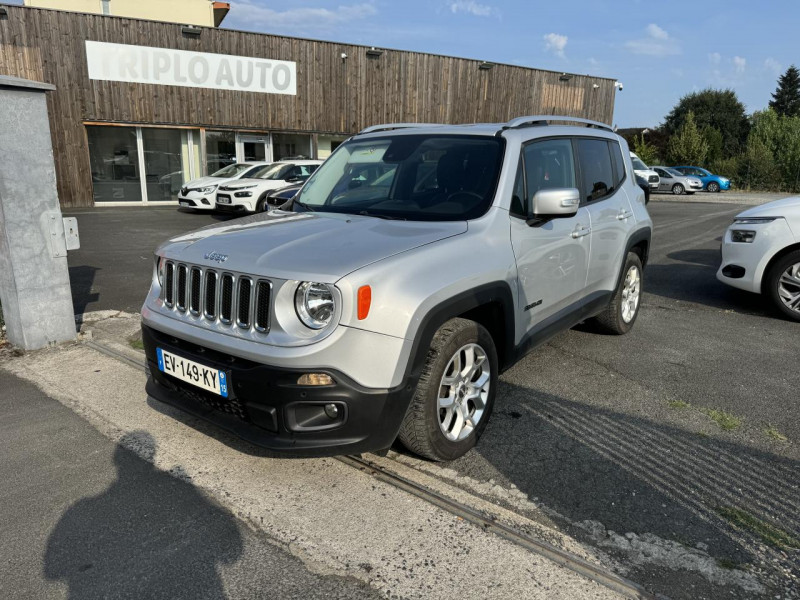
{"type": "Point", "coordinates": [141, 107]}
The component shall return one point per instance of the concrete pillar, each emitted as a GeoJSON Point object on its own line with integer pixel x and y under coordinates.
{"type": "Point", "coordinates": [34, 280]}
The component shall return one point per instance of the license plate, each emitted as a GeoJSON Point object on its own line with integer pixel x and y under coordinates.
{"type": "Point", "coordinates": [212, 380]}
{"type": "Point", "coordinates": [184, 203]}
{"type": "Point", "coordinates": [223, 200]}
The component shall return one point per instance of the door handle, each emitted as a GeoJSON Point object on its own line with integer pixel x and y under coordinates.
{"type": "Point", "coordinates": [624, 214]}
{"type": "Point", "coordinates": [581, 231]}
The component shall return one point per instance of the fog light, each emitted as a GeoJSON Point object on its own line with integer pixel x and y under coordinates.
{"type": "Point", "coordinates": [315, 379]}
{"type": "Point", "coordinates": [743, 236]}
{"type": "Point", "coordinates": [332, 411]}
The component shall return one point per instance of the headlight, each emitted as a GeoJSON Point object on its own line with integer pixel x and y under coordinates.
{"type": "Point", "coordinates": [160, 269]}
{"type": "Point", "coordinates": [753, 220]}
{"type": "Point", "coordinates": [743, 236]}
{"type": "Point", "coordinates": [205, 190]}
{"type": "Point", "coordinates": [314, 304]}
{"type": "Point", "coordinates": [243, 194]}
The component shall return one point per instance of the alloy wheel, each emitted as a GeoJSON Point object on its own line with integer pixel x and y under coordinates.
{"type": "Point", "coordinates": [631, 292]}
{"type": "Point", "coordinates": [677, 189]}
{"type": "Point", "coordinates": [463, 392]}
{"type": "Point", "coordinates": [789, 287]}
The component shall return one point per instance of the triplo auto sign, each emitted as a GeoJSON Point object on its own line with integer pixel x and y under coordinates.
{"type": "Point", "coordinates": [163, 66]}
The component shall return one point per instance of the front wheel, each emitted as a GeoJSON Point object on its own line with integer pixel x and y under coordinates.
{"type": "Point", "coordinates": [620, 314]}
{"type": "Point", "coordinates": [677, 189]}
{"type": "Point", "coordinates": [783, 285]}
{"type": "Point", "coordinates": [455, 393]}
{"type": "Point", "coordinates": [713, 187]}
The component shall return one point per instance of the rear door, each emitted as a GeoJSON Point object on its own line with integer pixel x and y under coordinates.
{"type": "Point", "coordinates": [553, 257]}
{"type": "Point", "coordinates": [603, 172]}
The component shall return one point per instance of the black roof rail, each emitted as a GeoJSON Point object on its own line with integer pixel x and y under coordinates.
{"type": "Point", "coordinates": [390, 126]}
{"type": "Point", "coordinates": [539, 120]}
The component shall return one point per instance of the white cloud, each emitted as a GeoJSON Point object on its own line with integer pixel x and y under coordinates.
{"type": "Point", "coordinates": [773, 65]}
{"type": "Point", "coordinates": [657, 43]}
{"type": "Point", "coordinates": [555, 43]}
{"type": "Point", "coordinates": [655, 32]}
{"type": "Point", "coordinates": [471, 7]}
{"type": "Point", "coordinates": [740, 64]}
{"type": "Point", "coordinates": [714, 58]}
{"type": "Point", "coordinates": [249, 14]}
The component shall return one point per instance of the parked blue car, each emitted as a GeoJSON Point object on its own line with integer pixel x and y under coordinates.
{"type": "Point", "coordinates": [711, 182]}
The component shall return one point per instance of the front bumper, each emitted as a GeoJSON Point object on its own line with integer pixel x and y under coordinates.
{"type": "Point", "coordinates": [227, 202]}
{"type": "Point", "coordinates": [267, 407]}
{"type": "Point", "coordinates": [196, 201]}
{"type": "Point", "coordinates": [743, 264]}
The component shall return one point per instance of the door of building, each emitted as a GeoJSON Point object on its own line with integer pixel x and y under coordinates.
{"type": "Point", "coordinates": [250, 148]}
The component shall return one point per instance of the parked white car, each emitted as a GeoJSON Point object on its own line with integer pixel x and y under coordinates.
{"type": "Point", "coordinates": [642, 170]}
{"type": "Point", "coordinates": [761, 254]}
{"type": "Point", "coordinates": [200, 193]}
{"type": "Point", "coordinates": [250, 194]}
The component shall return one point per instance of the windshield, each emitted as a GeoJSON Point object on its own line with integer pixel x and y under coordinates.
{"type": "Point", "coordinates": [638, 165]}
{"type": "Point", "coordinates": [231, 170]}
{"type": "Point", "coordinates": [275, 171]}
{"type": "Point", "coordinates": [416, 177]}
{"type": "Point", "coordinates": [674, 172]}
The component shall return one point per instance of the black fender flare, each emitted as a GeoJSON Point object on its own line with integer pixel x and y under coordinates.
{"type": "Point", "coordinates": [640, 235]}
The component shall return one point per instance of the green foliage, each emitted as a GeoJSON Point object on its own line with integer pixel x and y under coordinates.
{"type": "Point", "coordinates": [720, 109]}
{"type": "Point", "coordinates": [687, 146]}
{"type": "Point", "coordinates": [647, 152]}
{"type": "Point", "coordinates": [768, 533]}
{"type": "Point", "coordinates": [786, 98]}
{"type": "Point", "coordinates": [780, 135]}
{"type": "Point", "coordinates": [728, 167]}
{"type": "Point", "coordinates": [758, 166]}
{"type": "Point", "coordinates": [715, 141]}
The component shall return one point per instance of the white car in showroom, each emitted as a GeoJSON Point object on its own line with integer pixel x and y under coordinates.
{"type": "Point", "coordinates": [250, 194]}
{"type": "Point", "coordinates": [761, 254]}
{"type": "Point", "coordinates": [199, 194]}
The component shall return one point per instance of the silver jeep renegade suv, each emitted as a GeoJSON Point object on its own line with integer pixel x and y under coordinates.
{"type": "Point", "coordinates": [383, 301]}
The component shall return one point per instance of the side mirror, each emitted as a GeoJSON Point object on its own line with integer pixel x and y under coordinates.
{"type": "Point", "coordinates": [556, 203]}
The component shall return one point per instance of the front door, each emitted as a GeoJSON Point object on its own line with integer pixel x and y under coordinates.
{"type": "Point", "coordinates": [666, 180]}
{"type": "Point", "coordinates": [253, 148]}
{"type": "Point", "coordinates": [552, 258]}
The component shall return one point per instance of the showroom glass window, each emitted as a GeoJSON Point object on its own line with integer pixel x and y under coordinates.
{"type": "Point", "coordinates": [285, 145]}
{"type": "Point", "coordinates": [220, 150]}
{"type": "Point", "coordinates": [167, 162]}
{"type": "Point", "coordinates": [114, 160]}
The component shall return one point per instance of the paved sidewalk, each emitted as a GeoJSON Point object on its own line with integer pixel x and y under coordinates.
{"type": "Point", "coordinates": [85, 517]}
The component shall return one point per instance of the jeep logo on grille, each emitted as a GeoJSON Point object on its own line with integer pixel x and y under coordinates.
{"type": "Point", "coordinates": [216, 256]}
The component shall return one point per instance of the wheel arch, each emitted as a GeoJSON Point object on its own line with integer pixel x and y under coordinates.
{"type": "Point", "coordinates": [772, 260]}
{"type": "Point", "coordinates": [490, 304]}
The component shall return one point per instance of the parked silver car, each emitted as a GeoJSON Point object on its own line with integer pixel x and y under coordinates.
{"type": "Point", "coordinates": [675, 182]}
{"type": "Point", "coordinates": [413, 267]}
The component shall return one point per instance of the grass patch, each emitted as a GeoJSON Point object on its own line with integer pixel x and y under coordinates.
{"type": "Point", "coordinates": [769, 534]}
{"type": "Point", "coordinates": [136, 344]}
{"type": "Point", "coordinates": [678, 404]}
{"type": "Point", "coordinates": [775, 434]}
{"type": "Point", "coordinates": [726, 421]}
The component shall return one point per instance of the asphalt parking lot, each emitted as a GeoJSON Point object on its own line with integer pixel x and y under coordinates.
{"type": "Point", "coordinates": [674, 448]}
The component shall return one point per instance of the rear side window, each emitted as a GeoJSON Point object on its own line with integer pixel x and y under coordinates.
{"type": "Point", "coordinates": [618, 162]}
{"type": "Point", "coordinates": [597, 173]}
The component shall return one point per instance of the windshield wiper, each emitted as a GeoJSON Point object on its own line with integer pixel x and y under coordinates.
{"type": "Point", "coordinates": [366, 213]}
{"type": "Point", "coordinates": [302, 204]}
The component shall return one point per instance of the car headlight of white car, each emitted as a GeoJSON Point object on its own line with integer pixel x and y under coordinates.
{"type": "Point", "coordinates": [748, 236]}
{"type": "Point", "coordinates": [239, 193]}
{"type": "Point", "coordinates": [315, 304]}
{"type": "Point", "coordinates": [206, 190]}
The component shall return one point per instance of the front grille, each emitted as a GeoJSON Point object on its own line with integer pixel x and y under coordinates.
{"type": "Point", "coordinates": [653, 179]}
{"type": "Point", "coordinates": [217, 298]}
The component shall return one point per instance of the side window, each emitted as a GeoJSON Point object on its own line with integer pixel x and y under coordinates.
{"type": "Point", "coordinates": [663, 173]}
{"type": "Point", "coordinates": [597, 173]}
{"type": "Point", "coordinates": [549, 164]}
{"type": "Point", "coordinates": [619, 164]}
{"type": "Point", "coordinates": [518, 204]}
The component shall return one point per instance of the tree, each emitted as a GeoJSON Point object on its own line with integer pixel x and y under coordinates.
{"type": "Point", "coordinates": [687, 146]}
{"type": "Point", "coordinates": [715, 141]}
{"type": "Point", "coordinates": [786, 99]}
{"type": "Point", "coordinates": [720, 109]}
{"type": "Point", "coordinates": [647, 152]}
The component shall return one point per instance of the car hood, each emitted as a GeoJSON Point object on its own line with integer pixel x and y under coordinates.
{"type": "Point", "coordinates": [788, 208]}
{"type": "Point", "coordinates": [262, 183]}
{"type": "Point", "coordinates": [304, 246]}
{"type": "Point", "coordinates": [205, 181]}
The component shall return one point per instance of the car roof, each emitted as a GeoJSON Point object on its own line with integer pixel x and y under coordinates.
{"type": "Point", "coordinates": [305, 161]}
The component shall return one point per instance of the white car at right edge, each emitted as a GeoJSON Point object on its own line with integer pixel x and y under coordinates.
{"type": "Point", "coordinates": [761, 254]}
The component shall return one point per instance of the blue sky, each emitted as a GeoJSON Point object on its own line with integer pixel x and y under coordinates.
{"type": "Point", "coordinates": [659, 51]}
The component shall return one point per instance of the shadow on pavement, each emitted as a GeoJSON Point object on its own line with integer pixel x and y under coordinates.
{"type": "Point", "coordinates": [140, 541]}
{"type": "Point", "coordinates": [81, 280]}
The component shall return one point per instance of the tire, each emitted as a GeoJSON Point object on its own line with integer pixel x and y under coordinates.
{"type": "Point", "coordinates": [780, 287]}
{"type": "Point", "coordinates": [712, 187]}
{"type": "Point", "coordinates": [616, 318]}
{"type": "Point", "coordinates": [261, 205]}
{"type": "Point", "coordinates": [421, 431]}
{"type": "Point", "coordinates": [677, 189]}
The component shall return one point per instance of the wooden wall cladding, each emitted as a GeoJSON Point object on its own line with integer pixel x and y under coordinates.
{"type": "Point", "coordinates": [334, 95]}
